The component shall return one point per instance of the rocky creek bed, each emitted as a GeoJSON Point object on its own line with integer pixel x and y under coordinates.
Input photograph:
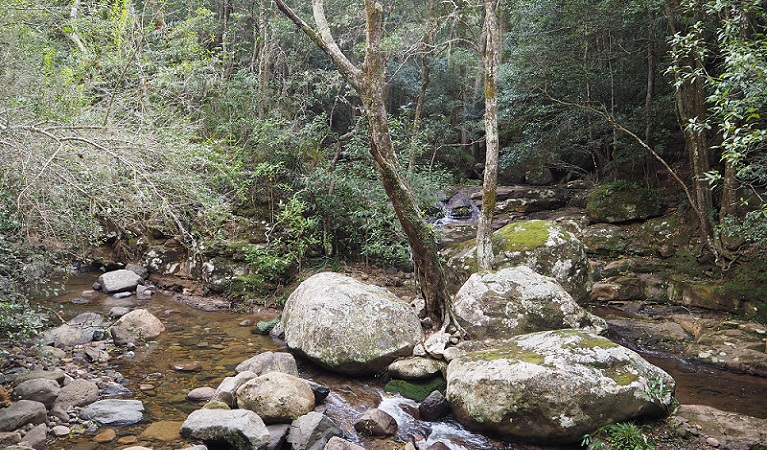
{"type": "Point", "coordinates": [200, 348]}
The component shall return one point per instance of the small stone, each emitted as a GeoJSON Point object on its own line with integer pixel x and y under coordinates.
{"type": "Point", "coordinates": [145, 387]}
{"type": "Point", "coordinates": [246, 323]}
{"type": "Point", "coordinates": [704, 355]}
{"type": "Point", "coordinates": [712, 442]}
{"type": "Point", "coordinates": [107, 435]}
{"type": "Point", "coordinates": [120, 295]}
{"type": "Point", "coordinates": [60, 430]}
{"type": "Point", "coordinates": [201, 394]}
{"type": "Point", "coordinates": [186, 366]}
{"type": "Point", "coordinates": [127, 440]}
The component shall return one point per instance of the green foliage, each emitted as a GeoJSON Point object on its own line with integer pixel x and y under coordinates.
{"type": "Point", "coordinates": [618, 436]}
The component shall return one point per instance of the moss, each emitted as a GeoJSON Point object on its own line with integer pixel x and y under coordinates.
{"type": "Point", "coordinates": [511, 353]}
{"type": "Point", "coordinates": [416, 390]}
{"type": "Point", "coordinates": [585, 340]}
{"type": "Point", "coordinates": [624, 379]}
{"type": "Point", "coordinates": [523, 236]}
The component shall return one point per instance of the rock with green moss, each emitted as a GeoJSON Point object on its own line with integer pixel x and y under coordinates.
{"type": "Point", "coordinates": [622, 202]}
{"type": "Point", "coordinates": [541, 245]}
{"type": "Point", "coordinates": [416, 390]}
{"type": "Point", "coordinates": [348, 326]}
{"type": "Point", "coordinates": [554, 386]}
{"type": "Point", "coordinates": [517, 300]}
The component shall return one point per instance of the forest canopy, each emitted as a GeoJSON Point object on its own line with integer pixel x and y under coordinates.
{"type": "Point", "coordinates": [122, 119]}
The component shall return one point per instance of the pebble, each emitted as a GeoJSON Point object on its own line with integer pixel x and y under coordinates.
{"type": "Point", "coordinates": [246, 323]}
{"type": "Point", "coordinates": [201, 394]}
{"type": "Point", "coordinates": [145, 387]}
{"type": "Point", "coordinates": [121, 295]}
{"type": "Point", "coordinates": [127, 440]}
{"type": "Point", "coordinates": [704, 355]}
{"type": "Point", "coordinates": [186, 366]}
{"type": "Point", "coordinates": [60, 430]}
{"type": "Point", "coordinates": [712, 442]}
{"type": "Point", "coordinates": [107, 435]}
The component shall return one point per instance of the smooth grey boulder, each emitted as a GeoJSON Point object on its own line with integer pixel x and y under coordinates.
{"type": "Point", "coordinates": [415, 368]}
{"type": "Point", "coordinates": [555, 386]}
{"type": "Point", "coordinates": [141, 271]}
{"type": "Point", "coordinates": [348, 326]}
{"type": "Point", "coordinates": [434, 407]}
{"type": "Point", "coordinates": [239, 428]}
{"type": "Point", "coordinates": [36, 437]}
{"type": "Point", "coordinates": [544, 246]}
{"type": "Point", "coordinates": [517, 300]}
{"type": "Point", "coordinates": [77, 393]}
{"type": "Point", "coordinates": [278, 435]}
{"type": "Point", "coordinates": [56, 375]}
{"type": "Point", "coordinates": [276, 397]}
{"type": "Point", "coordinates": [119, 281]}
{"type": "Point", "coordinates": [376, 422]}
{"type": "Point", "coordinates": [83, 328]}
{"type": "Point", "coordinates": [20, 413]}
{"type": "Point", "coordinates": [114, 412]}
{"type": "Point", "coordinates": [226, 392]}
{"type": "Point", "coordinates": [312, 432]}
{"type": "Point", "coordinates": [269, 362]}
{"type": "Point", "coordinates": [135, 327]}
{"type": "Point", "coordinates": [336, 443]}
{"type": "Point", "coordinates": [41, 390]}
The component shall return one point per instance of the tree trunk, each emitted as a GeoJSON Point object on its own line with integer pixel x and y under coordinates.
{"type": "Point", "coordinates": [492, 61]}
{"type": "Point", "coordinates": [369, 82]}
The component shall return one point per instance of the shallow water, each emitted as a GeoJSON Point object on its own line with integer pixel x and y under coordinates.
{"type": "Point", "coordinates": [217, 342]}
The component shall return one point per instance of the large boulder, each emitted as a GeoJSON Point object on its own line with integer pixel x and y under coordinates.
{"type": "Point", "coordinates": [348, 326]}
{"type": "Point", "coordinates": [21, 413]}
{"type": "Point", "coordinates": [135, 327]}
{"type": "Point", "coordinates": [312, 431]}
{"type": "Point", "coordinates": [77, 393]}
{"type": "Point", "coordinates": [122, 280]}
{"type": "Point", "coordinates": [276, 397]}
{"type": "Point", "coordinates": [516, 300]}
{"type": "Point", "coordinates": [42, 390]}
{"type": "Point", "coordinates": [555, 386]}
{"type": "Point", "coordinates": [622, 202]}
{"type": "Point", "coordinates": [541, 245]}
{"type": "Point", "coordinates": [239, 429]}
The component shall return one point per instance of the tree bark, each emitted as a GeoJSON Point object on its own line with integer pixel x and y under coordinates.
{"type": "Point", "coordinates": [490, 183]}
{"type": "Point", "coordinates": [370, 84]}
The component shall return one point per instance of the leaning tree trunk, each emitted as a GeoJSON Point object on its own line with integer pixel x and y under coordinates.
{"type": "Point", "coordinates": [369, 82]}
{"type": "Point", "coordinates": [490, 184]}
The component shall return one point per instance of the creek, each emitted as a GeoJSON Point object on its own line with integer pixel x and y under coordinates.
{"type": "Point", "coordinates": [216, 342]}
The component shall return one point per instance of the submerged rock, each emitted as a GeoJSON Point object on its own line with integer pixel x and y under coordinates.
{"type": "Point", "coordinates": [347, 326]}
{"type": "Point", "coordinates": [555, 386]}
{"type": "Point", "coordinates": [516, 300]}
{"type": "Point", "coordinates": [114, 412]}
{"type": "Point", "coordinates": [544, 246]}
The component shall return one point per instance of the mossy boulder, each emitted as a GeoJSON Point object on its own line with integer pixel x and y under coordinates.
{"type": "Point", "coordinates": [622, 202]}
{"type": "Point", "coordinates": [517, 300]}
{"type": "Point", "coordinates": [348, 326]}
{"type": "Point", "coordinates": [554, 386]}
{"type": "Point", "coordinates": [542, 245]}
{"type": "Point", "coordinates": [416, 390]}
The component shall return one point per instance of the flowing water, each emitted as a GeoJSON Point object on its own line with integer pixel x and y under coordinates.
{"type": "Point", "coordinates": [216, 343]}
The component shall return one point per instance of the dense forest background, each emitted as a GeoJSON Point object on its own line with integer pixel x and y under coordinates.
{"type": "Point", "coordinates": [204, 120]}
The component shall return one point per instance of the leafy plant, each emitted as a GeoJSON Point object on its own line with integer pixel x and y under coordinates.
{"type": "Point", "coordinates": [618, 436]}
